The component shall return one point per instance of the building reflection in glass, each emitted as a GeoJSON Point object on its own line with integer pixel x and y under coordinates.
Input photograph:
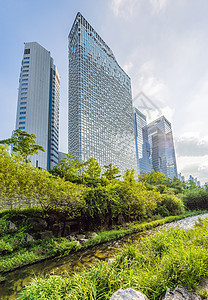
{"type": "Point", "coordinates": [144, 163]}
{"type": "Point", "coordinates": [162, 152]}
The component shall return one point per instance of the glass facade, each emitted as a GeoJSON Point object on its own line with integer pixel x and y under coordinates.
{"type": "Point", "coordinates": [100, 101]}
{"type": "Point", "coordinates": [162, 147]}
{"type": "Point", "coordinates": [144, 163]}
{"type": "Point", "coordinates": [53, 134]}
{"type": "Point", "coordinates": [38, 103]}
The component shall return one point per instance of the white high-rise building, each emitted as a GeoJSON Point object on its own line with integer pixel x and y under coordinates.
{"type": "Point", "coordinates": [38, 102]}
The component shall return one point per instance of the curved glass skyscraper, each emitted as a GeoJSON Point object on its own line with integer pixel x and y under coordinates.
{"type": "Point", "coordinates": [100, 101]}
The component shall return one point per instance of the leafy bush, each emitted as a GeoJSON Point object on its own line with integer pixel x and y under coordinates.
{"type": "Point", "coordinates": [23, 185]}
{"type": "Point", "coordinates": [170, 205]}
{"type": "Point", "coordinates": [196, 198]}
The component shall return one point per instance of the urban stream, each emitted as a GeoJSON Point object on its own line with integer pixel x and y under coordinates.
{"type": "Point", "coordinates": [16, 280]}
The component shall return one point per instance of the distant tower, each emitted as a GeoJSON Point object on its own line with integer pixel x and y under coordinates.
{"type": "Point", "coordinates": [38, 102]}
{"type": "Point", "coordinates": [100, 101]}
{"type": "Point", "coordinates": [162, 147]}
{"type": "Point", "coordinates": [144, 163]}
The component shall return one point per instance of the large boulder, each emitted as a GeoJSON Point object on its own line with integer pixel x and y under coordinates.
{"type": "Point", "coordinates": [46, 235]}
{"type": "Point", "coordinates": [128, 294]}
{"type": "Point", "coordinates": [37, 224]}
{"type": "Point", "coordinates": [180, 293]}
{"type": "Point", "coordinates": [58, 229]}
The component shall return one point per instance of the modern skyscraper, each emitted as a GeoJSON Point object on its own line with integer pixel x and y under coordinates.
{"type": "Point", "coordinates": [144, 163]}
{"type": "Point", "coordinates": [38, 102]}
{"type": "Point", "coordinates": [100, 101]}
{"type": "Point", "coordinates": [162, 147]}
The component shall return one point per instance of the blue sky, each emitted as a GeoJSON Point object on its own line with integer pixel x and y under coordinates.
{"type": "Point", "coordinates": [161, 44]}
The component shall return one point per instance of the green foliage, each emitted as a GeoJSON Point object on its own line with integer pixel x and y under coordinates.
{"type": "Point", "coordinates": [151, 265]}
{"type": "Point", "coordinates": [68, 168]}
{"type": "Point", "coordinates": [16, 252]}
{"type": "Point", "coordinates": [23, 185]}
{"type": "Point", "coordinates": [170, 205]}
{"type": "Point", "coordinates": [91, 172]}
{"type": "Point", "coordinates": [128, 201]}
{"type": "Point", "coordinates": [152, 178]}
{"type": "Point", "coordinates": [203, 294]}
{"type": "Point", "coordinates": [23, 143]}
{"type": "Point", "coordinates": [112, 172]}
{"type": "Point", "coordinates": [53, 288]}
{"type": "Point", "coordinates": [99, 200]}
{"type": "Point", "coordinates": [196, 198]}
{"type": "Point", "coordinates": [163, 185]}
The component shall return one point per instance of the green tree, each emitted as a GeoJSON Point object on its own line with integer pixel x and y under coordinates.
{"type": "Point", "coordinates": [23, 143]}
{"type": "Point", "coordinates": [68, 168]}
{"type": "Point", "coordinates": [152, 178]}
{"type": "Point", "coordinates": [111, 172]}
{"type": "Point", "coordinates": [91, 172]}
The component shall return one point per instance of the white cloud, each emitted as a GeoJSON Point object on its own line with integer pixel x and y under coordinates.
{"type": "Point", "coordinates": [191, 146]}
{"type": "Point", "coordinates": [153, 87]}
{"type": "Point", "coordinates": [168, 112]}
{"type": "Point", "coordinates": [145, 80]}
{"type": "Point", "coordinates": [158, 5]}
{"type": "Point", "coordinates": [124, 8]}
{"type": "Point", "coordinates": [127, 67]}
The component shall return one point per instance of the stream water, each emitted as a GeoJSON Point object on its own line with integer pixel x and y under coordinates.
{"type": "Point", "coordinates": [17, 279]}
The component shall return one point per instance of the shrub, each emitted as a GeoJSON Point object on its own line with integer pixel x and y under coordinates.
{"type": "Point", "coordinates": [196, 199]}
{"type": "Point", "coordinates": [170, 205]}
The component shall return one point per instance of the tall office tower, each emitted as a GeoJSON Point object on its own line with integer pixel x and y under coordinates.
{"type": "Point", "coordinates": [144, 163]}
{"type": "Point", "coordinates": [162, 147]}
{"type": "Point", "coordinates": [38, 102]}
{"type": "Point", "coordinates": [100, 101]}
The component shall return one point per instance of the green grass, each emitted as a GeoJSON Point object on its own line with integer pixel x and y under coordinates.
{"type": "Point", "coordinates": [16, 253]}
{"type": "Point", "coordinates": [151, 265]}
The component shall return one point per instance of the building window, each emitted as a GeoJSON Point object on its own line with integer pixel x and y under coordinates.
{"type": "Point", "coordinates": [24, 107]}
{"type": "Point", "coordinates": [23, 113]}
{"type": "Point", "coordinates": [25, 75]}
{"type": "Point", "coordinates": [24, 93]}
{"type": "Point", "coordinates": [22, 118]}
{"type": "Point", "coordinates": [24, 84]}
{"type": "Point", "coordinates": [26, 57]}
{"type": "Point", "coordinates": [23, 103]}
{"type": "Point", "coordinates": [25, 71]}
{"type": "Point", "coordinates": [25, 79]}
{"type": "Point", "coordinates": [21, 128]}
{"type": "Point", "coordinates": [24, 89]}
{"type": "Point", "coordinates": [25, 66]}
{"type": "Point", "coordinates": [22, 122]}
{"type": "Point", "coordinates": [27, 51]}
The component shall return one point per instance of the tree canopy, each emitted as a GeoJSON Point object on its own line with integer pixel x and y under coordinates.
{"type": "Point", "coordinates": [23, 143]}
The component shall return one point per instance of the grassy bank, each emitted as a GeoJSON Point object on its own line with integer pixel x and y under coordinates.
{"type": "Point", "coordinates": [153, 264]}
{"type": "Point", "coordinates": [15, 252]}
